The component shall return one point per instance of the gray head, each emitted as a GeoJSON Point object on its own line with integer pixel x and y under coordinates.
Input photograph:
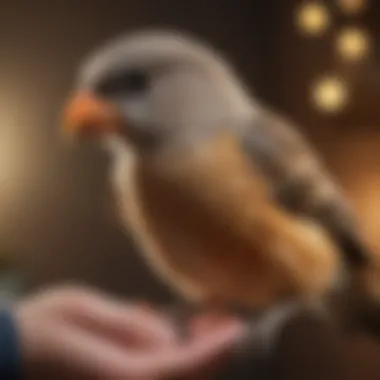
{"type": "Point", "coordinates": [155, 82]}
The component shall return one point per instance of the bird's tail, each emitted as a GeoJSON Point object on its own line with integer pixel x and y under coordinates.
{"type": "Point", "coordinates": [359, 298]}
{"type": "Point", "coordinates": [363, 299]}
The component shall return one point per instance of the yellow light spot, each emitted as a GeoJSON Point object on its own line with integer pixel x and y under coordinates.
{"type": "Point", "coordinates": [313, 18]}
{"type": "Point", "coordinates": [353, 44]}
{"type": "Point", "coordinates": [330, 95]}
{"type": "Point", "coordinates": [353, 7]}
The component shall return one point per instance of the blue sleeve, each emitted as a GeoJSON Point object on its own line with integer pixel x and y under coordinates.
{"type": "Point", "coordinates": [10, 366]}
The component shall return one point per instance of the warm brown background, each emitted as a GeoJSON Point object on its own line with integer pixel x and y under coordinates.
{"type": "Point", "coordinates": [55, 211]}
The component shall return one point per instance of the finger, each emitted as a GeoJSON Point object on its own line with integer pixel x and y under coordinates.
{"type": "Point", "coordinates": [201, 325]}
{"type": "Point", "coordinates": [95, 356]}
{"type": "Point", "coordinates": [145, 305]}
{"type": "Point", "coordinates": [86, 355]}
{"type": "Point", "coordinates": [126, 323]}
{"type": "Point", "coordinates": [193, 356]}
{"type": "Point", "coordinates": [204, 323]}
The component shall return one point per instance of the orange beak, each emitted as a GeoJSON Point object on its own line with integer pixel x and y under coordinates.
{"type": "Point", "coordinates": [88, 115]}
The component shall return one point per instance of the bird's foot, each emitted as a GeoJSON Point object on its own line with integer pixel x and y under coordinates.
{"type": "Point", "coordinates": [180, 315]}
{"type": "Point", "coordinates": [251, 357]}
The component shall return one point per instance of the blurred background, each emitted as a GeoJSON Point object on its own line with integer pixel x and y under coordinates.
{"type": "Point", "coordinates": [317, 62]}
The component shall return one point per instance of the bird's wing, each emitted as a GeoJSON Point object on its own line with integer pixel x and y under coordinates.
{"type": "Point", "coordinates": [300, 182]}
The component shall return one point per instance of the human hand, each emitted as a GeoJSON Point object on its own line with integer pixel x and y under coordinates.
{"type": "Point", "coordinates": [81, 334]}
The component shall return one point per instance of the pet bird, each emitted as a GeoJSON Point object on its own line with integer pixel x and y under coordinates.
{"type": "Point", "coordinates": [228, 202]}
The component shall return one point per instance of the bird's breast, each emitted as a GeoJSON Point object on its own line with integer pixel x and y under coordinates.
{"type": "Point", "coordinates": [196, 216]}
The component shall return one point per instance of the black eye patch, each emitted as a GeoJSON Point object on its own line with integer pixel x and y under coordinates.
{"type": "Point", "coordinates": [127, 83]}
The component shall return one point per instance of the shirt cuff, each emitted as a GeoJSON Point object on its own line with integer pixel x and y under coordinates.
{"type": "Point", "coordinates": [9, 347]}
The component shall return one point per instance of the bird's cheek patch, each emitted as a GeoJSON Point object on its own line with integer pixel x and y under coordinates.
{"type": "Point", "coordinates": [87, 114]}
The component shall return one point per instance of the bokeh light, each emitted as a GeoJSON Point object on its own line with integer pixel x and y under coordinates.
{"type": "Point", "coordinates": [353, 44]}
{"type": "Point", "coordinates": [330, 94]}
{"type": "Point", "coordinates": [353, 7]}
{"type": "Point", "coordinates": [313, 18]}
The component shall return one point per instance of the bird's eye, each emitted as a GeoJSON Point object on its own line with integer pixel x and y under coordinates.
{"type": "Point", "coordinates": [128, 83]}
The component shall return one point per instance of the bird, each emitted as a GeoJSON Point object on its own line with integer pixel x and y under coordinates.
{"type": "Point", "coordinates": [228, 202]}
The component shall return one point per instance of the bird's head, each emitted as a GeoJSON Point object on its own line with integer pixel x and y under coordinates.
{"type": "Point", "coordinates": [151, 84]}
